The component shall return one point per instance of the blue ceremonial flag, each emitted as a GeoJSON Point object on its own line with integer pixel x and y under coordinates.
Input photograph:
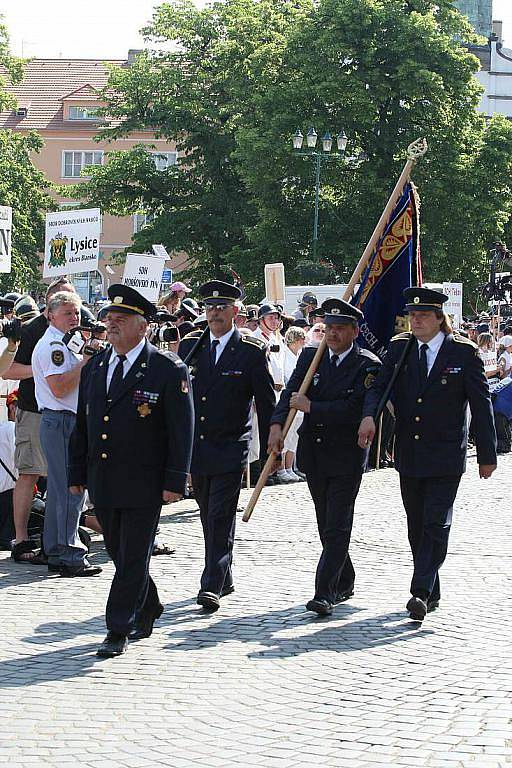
{"type": "Point", "coordinates": [394, 265]}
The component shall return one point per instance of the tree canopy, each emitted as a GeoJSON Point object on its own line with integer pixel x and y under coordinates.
{"type": "Point", "coordinates": [238, 79]}
{"type": "Point", "coordinates": [22, 185]}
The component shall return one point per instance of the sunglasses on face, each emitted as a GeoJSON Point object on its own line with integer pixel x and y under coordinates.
{"type": "Point", "coordinates": [219, 307]}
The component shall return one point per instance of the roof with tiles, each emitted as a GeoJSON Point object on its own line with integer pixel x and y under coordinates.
{"type": "Point", "coordinates": [47, 83]}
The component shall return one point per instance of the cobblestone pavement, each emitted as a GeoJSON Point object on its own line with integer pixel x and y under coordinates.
{"type": "Point", "coordinates": [262, 682]}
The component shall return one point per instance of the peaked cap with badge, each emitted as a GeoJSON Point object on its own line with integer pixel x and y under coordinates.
{"type": "Point", "coordinates": [425, 299]}
{"type": "Point", "coordinates": [125, 299]}
{"type": "Point", "coordinates": [219, 292]}
{"type": "Point", "coordinates": [338, 312]}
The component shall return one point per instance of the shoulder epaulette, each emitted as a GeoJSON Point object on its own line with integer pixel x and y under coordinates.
{"type": "Point", "coordinates": [370, 355]}
{"type": "Point", "coordinates": [401, 336]}
{"type": "Point", "coordinates": [463, 340]}
{"type": "Point", "coordinates": [192, 335]}
{"type": "Point", "coordinates": [252, 340]}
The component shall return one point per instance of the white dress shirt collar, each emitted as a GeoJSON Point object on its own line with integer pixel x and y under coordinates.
{"type": "Point", "coordinates": [223, 342]}
{"type": "Point", "coordinates": [342, 355]}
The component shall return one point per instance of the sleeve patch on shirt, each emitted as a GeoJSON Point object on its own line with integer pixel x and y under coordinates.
{"type": "Point", "coordinates": [370, 378]}
{"type": "Point", "coordinates": [57, 357]}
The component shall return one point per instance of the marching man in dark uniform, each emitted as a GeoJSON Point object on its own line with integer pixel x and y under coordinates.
{"type": "Point", "coordinates": [131, 449]}
{"type": "Point", "coordinates": [327, 451]}
{"type": "Point", "coordinates": [228, 369]}
{"type": "Point", "coordinates": [441, 373]}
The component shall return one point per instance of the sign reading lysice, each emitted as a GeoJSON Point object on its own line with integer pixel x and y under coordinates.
{"type": "Point", "coordinates": [5, 238]}
{"type": "Point", "coordinates": [72, 242]}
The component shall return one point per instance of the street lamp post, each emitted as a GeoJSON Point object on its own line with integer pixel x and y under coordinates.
{"type": "Point", "coordinates": [320, 156]}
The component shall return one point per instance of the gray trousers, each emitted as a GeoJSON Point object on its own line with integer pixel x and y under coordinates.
{"type": "Point", "coordinates": [62, 514]}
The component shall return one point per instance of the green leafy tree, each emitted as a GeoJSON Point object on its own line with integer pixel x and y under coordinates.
{"type": "Point", "coordinates": [22, 185]}
{"type": "Point", "coordinates": [242, 75]}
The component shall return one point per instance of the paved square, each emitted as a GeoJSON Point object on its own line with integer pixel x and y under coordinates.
{"type": "Point", "coordinates": [262, 682]}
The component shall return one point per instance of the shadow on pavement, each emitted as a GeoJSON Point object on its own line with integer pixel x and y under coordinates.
{"type": "Point", "coordinates": [320, 634]}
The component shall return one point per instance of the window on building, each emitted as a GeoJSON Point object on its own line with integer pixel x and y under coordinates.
{"type": "Point", "coordinates": [141, 220]}
{"type": "Point", "coordinates": [84, 113]}
{"type": "Point", "coordinates": [164, 160]}
{"type": "Point", "coordinates": [73, 162]}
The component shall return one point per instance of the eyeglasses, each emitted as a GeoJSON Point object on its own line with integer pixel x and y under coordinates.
{"type": "Point", "coordinates": [220, 307]}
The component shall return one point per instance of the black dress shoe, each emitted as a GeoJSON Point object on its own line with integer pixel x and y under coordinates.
{"type": "Point", "coordinates": [417, 608]}
{"type": "Point", "coordinates": [80, 570]}
{"type": "Point", "coordinates": [209, 601]}
{"type": "Point", "coordinates": [344, 595]}
{"type": "Point", "coordinates": [320, 606]}
{"type": "Point", "coordinates": [144, 627]}
{"type": "Point", "coordinates": [227, 590]}
{"type": "Point", "coordinates": [432, 605]}
{"type": "Point", "coordinates": [113, 645]}
{"type": "Point", "coordinates": [54, 568]}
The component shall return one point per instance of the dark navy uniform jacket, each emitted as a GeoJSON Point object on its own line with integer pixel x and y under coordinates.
{"type": "Point", "coordinates": [431, 423]}
{"type": "Point", "coordinates": [222, 401]}
{"type": "Point", "coordinates": [328, 435]}
{"type": "Point", "coordinates": [128, 451]}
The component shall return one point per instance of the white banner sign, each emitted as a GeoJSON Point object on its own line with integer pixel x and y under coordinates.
{"type": "Point", "coordinates": [159, 250]}
{"type": "Point", "coordinates": [275, 283]}
{"type": "Point", "coordinates": [72, 242]}
{"type": "Point", "coordinates": [143, 272]}
{"type": "Point", "coordinates": [490, 361]}
{"type": "Point", "coordinates": [5, 238]}
{"type": "Point", "coordinates": [453, 306]}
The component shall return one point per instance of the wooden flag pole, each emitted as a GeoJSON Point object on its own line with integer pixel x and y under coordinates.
{"type": "Point", "coordinates": [415, 151]}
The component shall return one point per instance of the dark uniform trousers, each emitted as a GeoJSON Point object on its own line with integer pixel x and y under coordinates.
{"type": "Point", "coordinates": [129, 536]}
{"type": "Point", "coordinates": [431, 440]}
{"type": "Point", "coordinates": [334, 499]}
{"type": "Point", "coordinates": [328, 454]}
{"type": "Point", "coordinates": [428, 503]}
{"type": "Point", "coordinates": [217, 496]}
{"type": "Point", "coordinates": [127, 448]}
{"type": "Point", "coordinates": [223, 396]}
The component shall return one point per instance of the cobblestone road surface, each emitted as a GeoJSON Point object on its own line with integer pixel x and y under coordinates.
{"type": "Point", "coordinates": [262, 682]}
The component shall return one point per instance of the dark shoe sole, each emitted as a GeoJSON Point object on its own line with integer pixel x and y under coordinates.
{"type": "Point", "coordinates": [82, 573]}
{"type": "Point", "coordinates": [417, 608]}
{"type": "Point", "coordinates": [209, 601]}
{"type": "Point", "coordinates": [105, 654]}
{"type": "Point", "coordinates": [319, 607]}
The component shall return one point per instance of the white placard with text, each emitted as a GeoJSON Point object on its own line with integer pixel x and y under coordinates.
{"type": "Point", "coordinates": [72, 242]}
{"type": "Point", "coordinates": [5, 238]}
{"type": "Point", "coordinates": [143, 272]}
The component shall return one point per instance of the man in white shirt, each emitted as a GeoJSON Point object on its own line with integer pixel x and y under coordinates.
{"type": "Point", "coordinates": [56, 372]}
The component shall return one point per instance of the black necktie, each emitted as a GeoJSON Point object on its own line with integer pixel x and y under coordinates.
{"type": "Point", "coordinates": [334, 361]}
{"type": "Point", "coordinates": [117, 377]}
{"type": "Point", "coordinates": [213, 352]}
{"type": "Point", "coordinates": [423, 364]}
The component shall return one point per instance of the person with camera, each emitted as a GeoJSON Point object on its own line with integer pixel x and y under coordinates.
{"type": "Point", "coordinates": [29, 457]}
{"type": "Point", "coordinates": [131, 449]}
{"type": "Point", "coordinates": [229, 369]}
{"type": "Point", "coordinates": [57, 362]}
